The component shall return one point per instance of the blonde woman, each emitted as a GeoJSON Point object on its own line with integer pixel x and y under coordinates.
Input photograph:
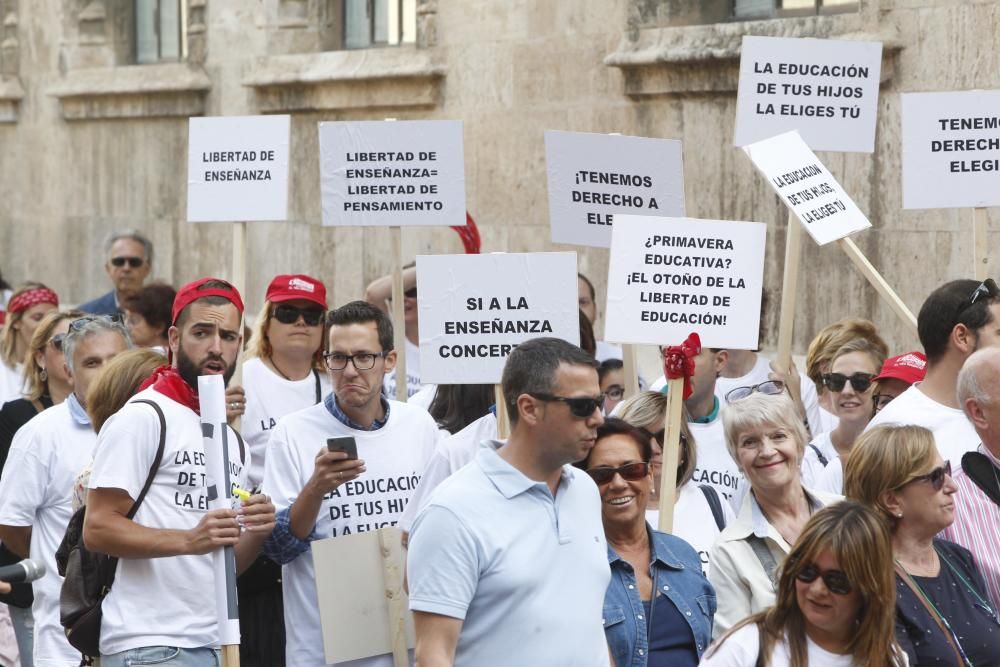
{"type": "Point", "coordinates": [834, 606]}
{"type": "Point", "coordinates": [700, 514]}
{"type": "Point", "coordinates": [943, 613]}
{"type": "Point", "coordinates": [25, 310]}
{"type": "Point", "coordinates": [767, 439]}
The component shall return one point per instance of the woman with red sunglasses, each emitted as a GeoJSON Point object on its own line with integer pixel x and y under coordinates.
{"type": "Point", "coordinates": [659, 606]}
{"type": "Point", "coordinates": [943, 614]}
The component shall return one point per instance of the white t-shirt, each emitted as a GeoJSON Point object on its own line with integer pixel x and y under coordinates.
{"type": "Point", "coordinates": [605, 350]}
{"type": "Point", "coordinates": [412, 373]}
{"type": "Point", "coordinates": [741, 648]}
{"type": "Point", "coordinates": [715, 466]}
{"type": "Point", "coordinates": [953, 433]}
{"type": "Point", "coordinates": [269, 398]}
{"type": "Point", "coordinates": [394, 456]}
{"type": "Point", "coordinates": [831, 479]}
{"type": "Point", "coordinates": [759, 373]}
{"type": "Point", "coordinates": [827, 420]}
{"type": "Point", "coordinates": [424, 396]}
{"type": "Point", "coordinates": [36, 490]}
{"type": "Point", "coordinates": [694, 522]}
{"type": "Point", "coordinates": [811, 467]}
{"type": "Point", "coordinates": [160, 601]}
{"type": "Point", "coordinates": [11, 382]}
{"type": "Point", "coordinates": [453, 452]}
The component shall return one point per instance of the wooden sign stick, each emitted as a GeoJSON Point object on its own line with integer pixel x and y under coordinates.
{"type": "Point", "coordinates": [631, 372]}
{"type": "Point", "coordinates": [503, 421]}
{"type": "Point", "coordinates": [239, 279]}
{"type": "Point", "coordinates": [398, 323]}
{"type": "Point", "coordinates": [671, 454]}
{"type": "Point", "coordinates": [789, 291]}
{"type": "Point", "coordinates": [980, 246]}
{"type": "Point", "coordinates": [393, 580]}
{"type": "Point", "coordinates": [878, 282]}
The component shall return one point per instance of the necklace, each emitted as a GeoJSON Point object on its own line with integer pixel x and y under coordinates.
{"type": "Point", "coordinates": [280, 372]}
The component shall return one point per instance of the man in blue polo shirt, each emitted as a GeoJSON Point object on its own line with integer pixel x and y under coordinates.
{"type": "Point", "coordinates": [508, 561]}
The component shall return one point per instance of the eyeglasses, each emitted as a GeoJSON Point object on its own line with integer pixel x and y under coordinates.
{"type": "Point", "coordinates": [834, 580]}
{"type": "Point", "coordinates": [771, 388]}
{"type": "Point", "coordinates": [988, 288]}
{"type": "Point", "coordinates": [630, 472]}
{"type": "Point", "coordinates": [57, 341]}
{"type": "Point", "coordinates": [363, 361]}
{"type": "Point", "coordinates": [411, 293]}
{"type": "Point", "coordinates": [836, 381]}
{"type": "Point", "coordinates": [615, 392]}
{"type": "Point", "coordinates": [935, 477]}
{"type": "Point", "coordinates": [80, 322]}
{"type": "Point", "coordinates": [582, 406]}
{"type": "Point", "coordinates": [661, 434]}
{"type": "Point", "coordinates": [882, 400]}
{"type": "Point", "coordinates": [290, 315]}
{"type": "Point", "coordinates": [134, 262]}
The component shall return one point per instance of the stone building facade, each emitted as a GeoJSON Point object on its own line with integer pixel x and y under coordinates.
{"type": "Point", "coordinates": [91, 141]}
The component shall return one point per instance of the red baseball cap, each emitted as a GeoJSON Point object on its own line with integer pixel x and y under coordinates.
{"type": "Point", "coordinates": [909, 368]}
{"type": "Point", "coordinates": [191, 292]}
{"type": "Point", "coordinates": [296, 286]}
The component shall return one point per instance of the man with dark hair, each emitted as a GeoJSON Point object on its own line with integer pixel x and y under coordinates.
{"type": "Point", "coordinates": [129, 261]}
{"type": "Point", "coordinates": [324, 493]}
{"type": "Point", "coordinates": [957, 319]}
{"type": "Point", "coordinates": [509, 558]}
{"type": "Point", "coordinates": [161, 609]}
{"type": "Point", "coordinates": [36, 492]}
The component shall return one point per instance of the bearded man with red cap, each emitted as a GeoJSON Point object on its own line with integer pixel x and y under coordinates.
{"type": "Point", "coordinates": [161, 608]}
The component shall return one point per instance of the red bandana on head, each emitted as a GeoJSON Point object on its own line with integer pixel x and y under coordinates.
{"type": "Point", "coordinates": [678, 361]}
{"type": "Point", "coordinates": [32, 297]}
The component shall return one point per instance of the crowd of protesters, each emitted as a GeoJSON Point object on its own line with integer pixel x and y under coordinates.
{"type": "Point", "coordinates": [844, 516]}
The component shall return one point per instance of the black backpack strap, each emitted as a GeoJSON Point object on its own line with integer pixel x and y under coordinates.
{"type": "Point", "coordinates": [712, 496]}
{"type": "Point", "coordinates": [983, 474]}
{"type": "Point", "coordinates": [156, 460]}
{"type": "Point", "coordinates": [243, 447]}
{"type": "Point", "coordinates": [819, 454]}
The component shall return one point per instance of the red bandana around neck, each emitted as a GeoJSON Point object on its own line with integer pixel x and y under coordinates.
{"type": "Point", "coordinates": [169, 382]}
{"type": "Point", "coordinates": [678, 361]}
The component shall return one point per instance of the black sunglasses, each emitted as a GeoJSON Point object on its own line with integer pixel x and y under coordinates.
{"type": "Point", "coordinates": [57, 341]}
{"type": "Point", "coordinates": [582, 407]}
{"type": "Point", "coordinates": [834, 580]}
{"type": "Point", "coordinates": [630, 472]}
{"type": "Point", "coordinates": [935, 477]}
{"type": "Point", "coordinates": [988, 288]}
{"type": "Point", "coordinates": [615, 392]}
{"type": "Point", "coordinates": [290, 315]}
{"type": "Point", "coordinates": [134, 262]}
{"type": "Point", "coordinates": [411, 293]}
{"type": "Point", "coordinates": [80, 322]}
{"type": "Point", "coordinates": [771, 388]}
{"type": "Point", "coordinates": [836, 381]}
{"type": "Point", "coordinates": [882, 400]}
{"type": "Point", "coordinates": [661, 434]}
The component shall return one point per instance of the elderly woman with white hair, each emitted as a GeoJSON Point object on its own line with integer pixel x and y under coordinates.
{"type": "Point", "coordinates": [766, 438]}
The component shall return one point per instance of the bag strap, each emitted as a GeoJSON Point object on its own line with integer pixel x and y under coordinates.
{"type": "Point", "coordinates": [941, 623]}
{"type": "Point", "coordinates": [765, 557]}
{"type": "Point", "coordinates": [156, 459]}
{"type": "Point", "coordinates": [983, 473]}
{"type": "Point", "coordinates": [319, 389]}
{"type": "Point", "coordinates": [712, 497]}
{"type": "Point", "coordinates": [243, 448]}
{"type": "Point", "coordinates": [819, 454]}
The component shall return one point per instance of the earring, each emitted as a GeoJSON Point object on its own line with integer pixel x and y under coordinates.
{"type": "Point", "coordinates": [899, 516]}
{"type": "Point", "coordinates": [43, 375]}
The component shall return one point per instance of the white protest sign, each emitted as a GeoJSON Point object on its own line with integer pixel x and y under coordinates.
{"type": "Point", "coordinates": [392, 173]}
{"type": "Point", "coordinates": [475, 309]}
{"type": "Point", "coordinates": [807, 188]}
{"type": "Point", "coordinates": [826, 89]}
{"type": "Point", "coordinates": [951, 149]}
{"type": "Point", "coordinates": [238, 168]}
{"type": "Point", "coordinates": [671, 276]}
{"type": "Point", "coordinates": [594, 176]}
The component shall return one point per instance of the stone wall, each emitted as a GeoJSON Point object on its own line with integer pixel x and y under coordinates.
{"type": "Point", "coordinates": [89, 143]}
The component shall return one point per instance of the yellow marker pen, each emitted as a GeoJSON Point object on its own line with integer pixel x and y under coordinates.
{"type": "Point", "coordinates": [241, 494]}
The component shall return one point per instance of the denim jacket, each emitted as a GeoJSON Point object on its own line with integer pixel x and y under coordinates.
{"type": "Point", "coordinates": [676, 572]}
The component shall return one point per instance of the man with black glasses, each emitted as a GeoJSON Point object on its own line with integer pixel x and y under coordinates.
{"type": "Point", "coordinates": [957, 319]}
{"type": "Point", "coordinates": [508, 560]}
{"type": "Point", "coordinates": [130, 259]}
{"type": "Point", "coordinates": [327, 491]}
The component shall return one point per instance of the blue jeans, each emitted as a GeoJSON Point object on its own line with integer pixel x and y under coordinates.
{"type": "Point", "coordinates": [167, 656]}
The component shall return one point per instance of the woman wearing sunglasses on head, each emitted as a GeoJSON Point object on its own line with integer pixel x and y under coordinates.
{"type": "Point", "coordinates": [834, 601]}
{"type": "Point", "coordinates": [700, 513]}
{"type": "Point", "coordinates": [658, 608]}
{"type": "Point", "coordinates": [766, 438]}
{"type": "Point", "coordinates": [943, 615]}
{"type": "Point", "coordinates": [849, 384]}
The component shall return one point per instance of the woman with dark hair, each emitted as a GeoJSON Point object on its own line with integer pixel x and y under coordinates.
{"type": "Point", "coordinates": [611, 376]}
{"type": "Point", "coordinates": [659, 606]}
{"type": "Point", "coordinates": [147, 314]}
{"type": "Point", "coordinates": [455, 406]}
{"type": "Point", "coordinates": [834, 606]}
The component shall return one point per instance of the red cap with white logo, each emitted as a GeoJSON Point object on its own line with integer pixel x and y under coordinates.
{"type": "Point", "coordinates": [909, 368]}
{"type": "Point", "coordinates": [297, 286]}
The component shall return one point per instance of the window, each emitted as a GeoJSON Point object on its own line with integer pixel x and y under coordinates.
{"type": "Point", "coordinates": [762, 9]}
{"type": "Point", "coordinates": [160, 31]}
{"type": "Point", "coordinates": [370, 23]}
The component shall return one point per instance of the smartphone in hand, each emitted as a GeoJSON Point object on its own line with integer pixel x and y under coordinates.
{"type": "Point", "coordinates": [345, 443]}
